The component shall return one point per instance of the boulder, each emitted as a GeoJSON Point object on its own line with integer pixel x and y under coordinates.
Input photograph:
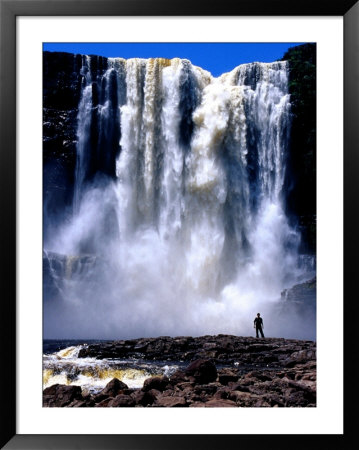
{"type": "Point", "coordinates": [158, 383]}
{"type": "Point", "coordinates": [178, 377]}
{"type": "Point", "coordinates": [85, 402]}
{"type": "Point", "coordinates": [104, 403]}
{"type": "Point", "coordinates": [113, 388]}
{"type": "Point", "coordinates": [238, 386]}
{"type": "Point", "coordinates": [226, 376]}
{"type": "Point", "coordinates": [243, 380]}
{"type": "Point", "coordinates": [244, 398]}
{"type": "Point", "coordinates": [59, 395]}
{"type": "Point", "coordinates": [81, 403]}
{"type": "Point", "coordinates": [300, 357]}
{"type": "Point", "coordinates": [145, 398]}
{"type": "Point", "coordinates": [170, 402]}
{"type": "Point", "coordinates": [202, 371]}
{"type": "Point", "coordinates": [222, 393]}
{"type": "Point", "coordinates": [122, 400]}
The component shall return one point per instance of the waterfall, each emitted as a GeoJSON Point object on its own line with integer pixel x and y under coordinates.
{"type": "Point", "coordinates": [179, 184]}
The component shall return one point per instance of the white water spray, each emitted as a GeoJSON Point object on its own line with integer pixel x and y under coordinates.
{"type": "Point", "coordinates": [188, 213]}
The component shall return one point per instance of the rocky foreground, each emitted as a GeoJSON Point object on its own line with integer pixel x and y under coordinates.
{"type": "Point", "coordinates": [222, 371]}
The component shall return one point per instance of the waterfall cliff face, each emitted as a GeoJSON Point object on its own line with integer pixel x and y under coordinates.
{"type": "Point", "coordinates": [178, 185]}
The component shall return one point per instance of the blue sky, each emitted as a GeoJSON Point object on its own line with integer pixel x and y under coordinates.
{"type": "Point", "coordinates": [215, 57]}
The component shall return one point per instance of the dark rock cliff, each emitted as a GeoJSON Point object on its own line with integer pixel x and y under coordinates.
{"type": "Point", "coordinates": [62, 82]}
{"type": "Point", "coordinates": [300, 183]}
{"type": "Point", "coordinates": [61, 93]}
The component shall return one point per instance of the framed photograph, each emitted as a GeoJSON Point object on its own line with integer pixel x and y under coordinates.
{"type": "Point", "coordinates": [173, 223]}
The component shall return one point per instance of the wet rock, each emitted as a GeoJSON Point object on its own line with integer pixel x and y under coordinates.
{"type": "Point", "coordinates": [60, 395]}
{"type": "Point", "coordinates": [242, 380]}
{"type": "Point", "coordinates": [178, 377]}
{"type": "Point", "coordinates": [114, 387]}
{"type": "Point", "coordinates": [222, 393]}
{"type": "Point", "coordinates": [206, 389]}
{"type": "Point", "coordinates": [258, 375]}
{"type": "Point", "coordinates": [185, 386]}
{"type": "Point", "coordinates": [202, 371]}
{"type": "Point", "coordinates": [301, 294]}
{"type": "Point", "coordinates": [239, 386]}
{"type": "Point", "coordinates": [104, 403]}
{"type": "Point", "coordinates": [170, 402]}
{"type": "Point", "coordinates": [85, 403]}
{"type": "Point", "coordinates": [300, 357]}
{"type": "Point", "coordinates": [145, 398]}
{"type": "Point", "coordinates": [244, 399]}
{"type": "Point", "coordinates": [295, 398]}
{"type": "Point", "coordinates": [121, 400]}
{"type": "Point", "coordinates": [158, 383]}
{"type": "Point", "coordinates": [226, 376]}
{"type": "Point", "coordinates": [88, 401]}
{"type": "Point", "coordinates": [221, 349]}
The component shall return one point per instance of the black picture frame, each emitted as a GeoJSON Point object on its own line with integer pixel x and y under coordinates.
{"type": "Point", "coordinates": [9, 10]}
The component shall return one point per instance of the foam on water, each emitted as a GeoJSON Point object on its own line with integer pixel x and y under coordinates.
{"type": "Point", "coordinates": [64, 367]}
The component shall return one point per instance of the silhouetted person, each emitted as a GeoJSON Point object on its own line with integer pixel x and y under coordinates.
{"type": "Point", "coordinates": [258, 325]}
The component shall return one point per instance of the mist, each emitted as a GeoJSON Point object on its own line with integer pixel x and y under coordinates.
{"type": "Point", "coordinates": [178, 224]}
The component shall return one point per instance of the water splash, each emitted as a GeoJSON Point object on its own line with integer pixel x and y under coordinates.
{"type": "Point", "coordinates": [92, 375]}
{"type": "Point", "coordinates": [179, 188]}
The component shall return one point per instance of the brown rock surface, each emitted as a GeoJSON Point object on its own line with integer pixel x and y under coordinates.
{"type": "Point", "coordinates": [246, 372]}
{"type": "Point", "coordinates": [221, 349]}
{"type": "Point", "coordinates": [59, 395]}
{"type": "Point", "coordinates": [158, 383]}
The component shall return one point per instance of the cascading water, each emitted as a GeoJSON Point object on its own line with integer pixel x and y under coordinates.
{"type": "Point", "coordinates": [179, 189]}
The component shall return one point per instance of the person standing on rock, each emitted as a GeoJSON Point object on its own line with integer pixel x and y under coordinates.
{"type": "Point", "coordinates": [258, 325]}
